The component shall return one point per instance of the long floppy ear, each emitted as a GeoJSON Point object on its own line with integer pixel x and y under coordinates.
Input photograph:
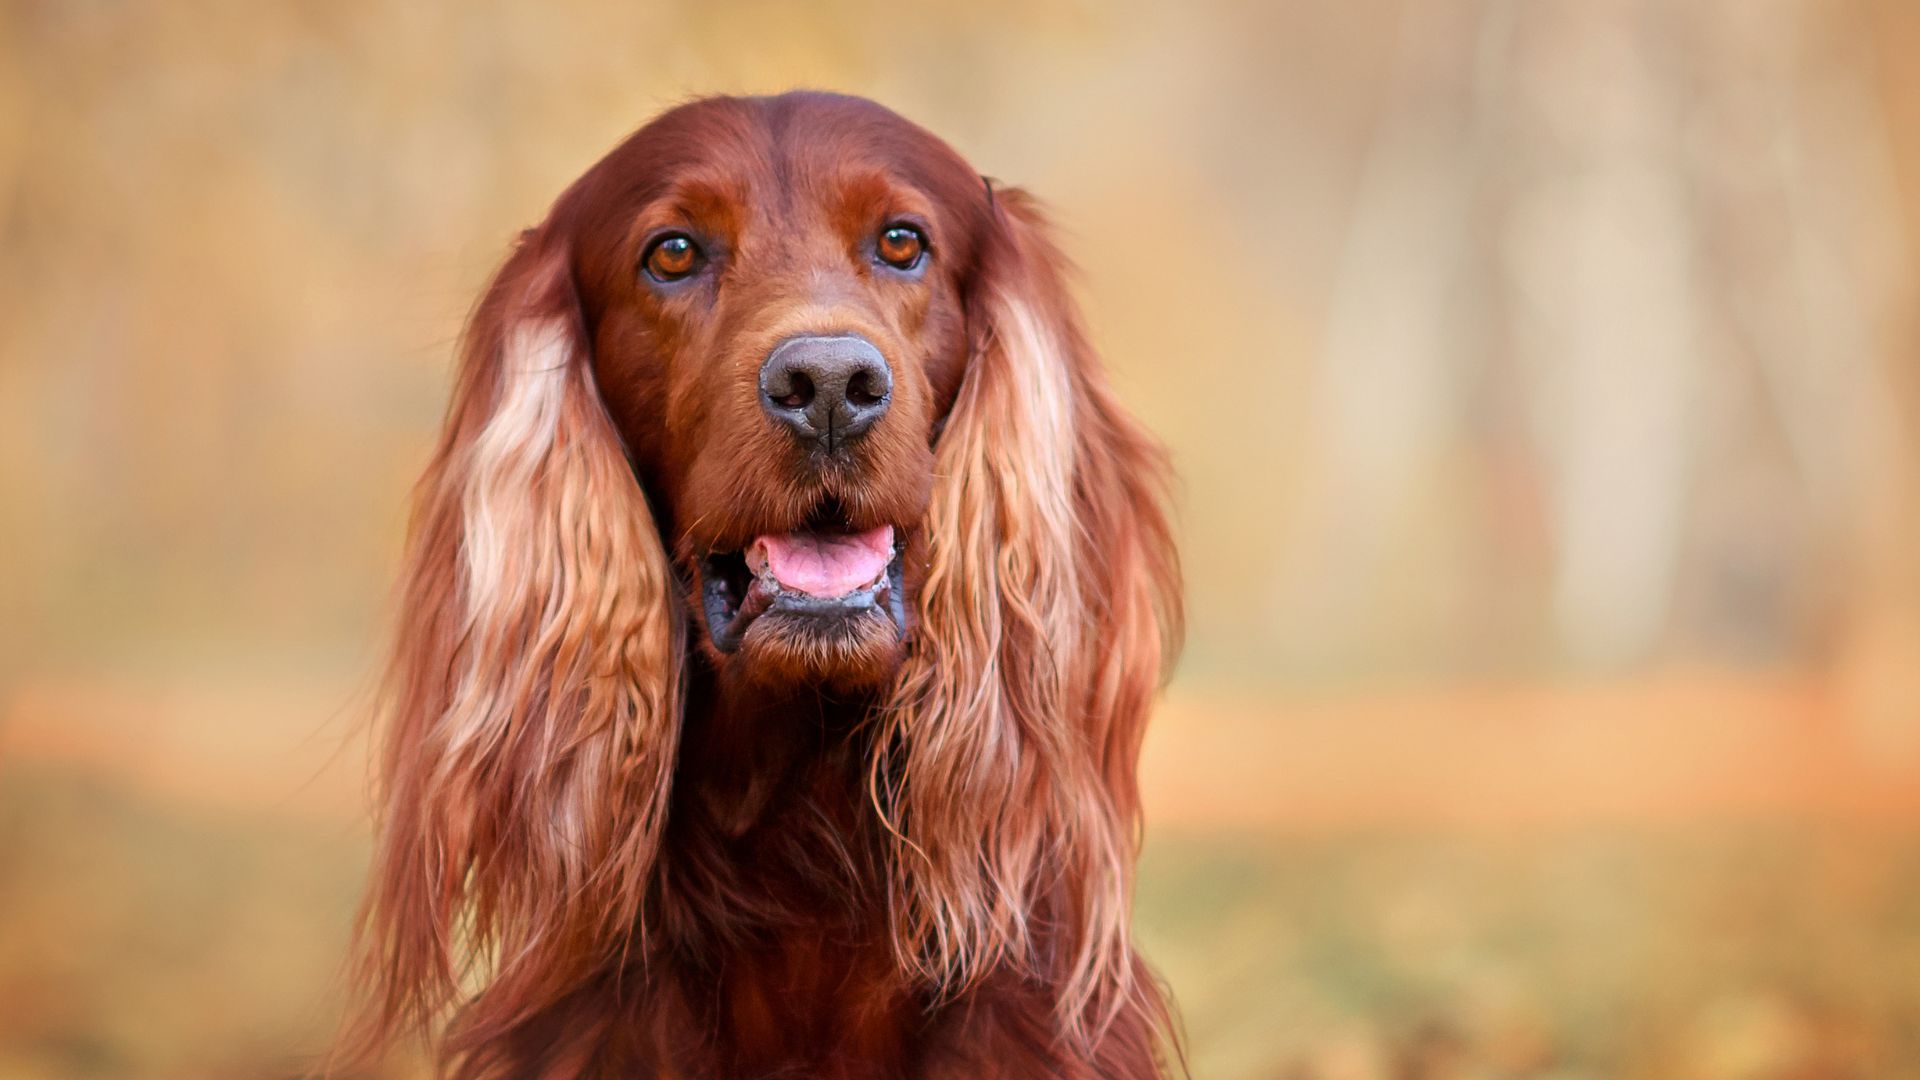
{"type": "Point", "coordinates": [532, 700]}
{"type": "Point", "coordinates": [1049, 606]}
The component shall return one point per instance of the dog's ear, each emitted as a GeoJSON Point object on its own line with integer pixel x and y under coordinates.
{"type": "Point", "coordinates": [533, 694]}
{"type": "Point", "coordinates": [1046, 612]}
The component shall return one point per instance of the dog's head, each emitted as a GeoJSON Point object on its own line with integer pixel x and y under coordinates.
{"type": "Point", "coordinates": [782, 389]}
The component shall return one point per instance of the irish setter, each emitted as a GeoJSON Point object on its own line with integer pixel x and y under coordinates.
{"type": "Point", "coordinates": [781, 615]}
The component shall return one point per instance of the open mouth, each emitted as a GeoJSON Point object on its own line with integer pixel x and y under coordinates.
{"type": "Point", "coordinates": [823, 574]}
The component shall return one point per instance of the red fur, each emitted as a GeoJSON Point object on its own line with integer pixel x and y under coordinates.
{"type": "Point", "coordinates": [609, 849]}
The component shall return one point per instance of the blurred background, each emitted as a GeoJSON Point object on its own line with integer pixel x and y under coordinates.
{"type": "Point", "coordinates": [1544, 378]}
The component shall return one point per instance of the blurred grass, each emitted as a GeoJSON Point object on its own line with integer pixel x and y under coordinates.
{"type": "Point", "coordinates": [1700, 953]}
{"type": "Point", "coordinates": [144, 937]}
{"type": "Point", "coordinates": [139, 937]}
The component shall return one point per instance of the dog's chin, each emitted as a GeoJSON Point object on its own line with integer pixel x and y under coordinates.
{"type": "Point", "coordinates": [844, 651]}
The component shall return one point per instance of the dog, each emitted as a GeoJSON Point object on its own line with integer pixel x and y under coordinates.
{"type": "Point", "coordinates": [780, 619]}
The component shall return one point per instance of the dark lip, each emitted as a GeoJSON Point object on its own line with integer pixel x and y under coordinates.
{"type": "Point", "coordinates": [732, 600]}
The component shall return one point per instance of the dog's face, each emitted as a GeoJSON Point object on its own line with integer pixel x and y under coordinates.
{"type": "Point", "coordinates": [777, 298]}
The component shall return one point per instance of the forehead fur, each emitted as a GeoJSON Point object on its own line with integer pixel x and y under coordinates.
{"type": "Point", "coordinates": [786, 146]}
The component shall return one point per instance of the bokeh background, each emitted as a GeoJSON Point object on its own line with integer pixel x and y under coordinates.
{"type": "Point", "coordinates": [1542, 375]}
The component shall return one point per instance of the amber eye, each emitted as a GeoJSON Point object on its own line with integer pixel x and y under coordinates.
{"type": "Point", "coordinates": [901, 246]}
{"type": "Point", "coordinates": [672, 257]}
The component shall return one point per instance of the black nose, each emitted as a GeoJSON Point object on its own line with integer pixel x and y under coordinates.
{"type": "Point", "coordinates": [827, 390]}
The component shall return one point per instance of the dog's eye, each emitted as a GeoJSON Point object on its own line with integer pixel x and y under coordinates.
{"type": "Point", "coordinates": [672, 257]}
{"type": "Point", "coordinates": [901, 246]}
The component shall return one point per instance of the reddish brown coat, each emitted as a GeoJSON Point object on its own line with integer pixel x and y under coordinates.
{"type": "Point", "coordinates": [609, 849]}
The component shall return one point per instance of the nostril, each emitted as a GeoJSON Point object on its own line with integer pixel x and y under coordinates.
{"type": "Point", "coordinates": [863, 389]}
{"type": "Point", "coordinates": [799, 394]}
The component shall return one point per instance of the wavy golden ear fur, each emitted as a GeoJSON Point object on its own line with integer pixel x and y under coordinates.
{"type": "Point", "coordinates": [1047, 610]}
{"type": "Point", "coordinates": [532, 698]}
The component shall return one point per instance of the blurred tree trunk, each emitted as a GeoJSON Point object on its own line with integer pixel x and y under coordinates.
{"type": "Point", "coordinates": [1618, 279]}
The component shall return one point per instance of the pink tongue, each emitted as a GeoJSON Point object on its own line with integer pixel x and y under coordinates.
{"type": "Point", "coordinates": [824, 564]}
